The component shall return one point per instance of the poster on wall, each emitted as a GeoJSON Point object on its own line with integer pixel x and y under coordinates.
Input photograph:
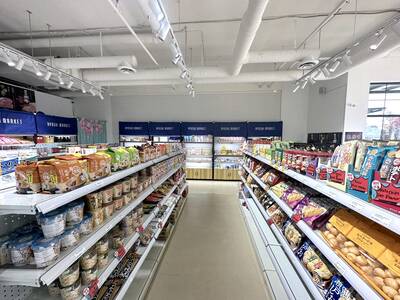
{"type": "Point", "coordinates": [16, 98]}
{"type": "Point", "coordinates": [92, 131]}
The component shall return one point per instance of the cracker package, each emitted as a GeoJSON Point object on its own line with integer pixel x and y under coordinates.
{"type": "Point", "coordinates": [372, 160]}
{"type": "Point", "coordinates": [59, 176]}
{"type": "Point", "coordinates": [99, 165]}
{"type": "Point", "coordinates": [27, 178]}
{"type": "Point", "coordinates": [133, 155]}
{"type": "Point", "coordinates": [115, 159]}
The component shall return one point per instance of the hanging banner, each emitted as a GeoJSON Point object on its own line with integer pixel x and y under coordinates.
{"type": "Point", "coordinates": [165, 128]}
{"type": "Point", "coordinates": [17, 123]}
{"type": "Point", "coordinates": [226, 129]}
{"type": "Point", "coordinates": [264, 129]}
{"type": "Point", "coordinates": [54, 125]}
{"type": "Point", "coordinates": [197, 128]}
{"type": "Point", "coordinates": [134, 128]}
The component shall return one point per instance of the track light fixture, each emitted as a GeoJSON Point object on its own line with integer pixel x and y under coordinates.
{"type": "Point", "coordinates": [20, 64]}
{"type": "Point", "coordinates": [92, 91]}
{"type": "Point", "coordinates": [381, 37]}
{"type": "Point", "coordinates": [183, 74]}
{"type": "Point", "coordinates": [312, 81]}
{"type": "Point", "coordinates": [303, 84]}
{"type": "Point", "coordinates": [325, 71]}
{"type": "Point", "coordinates": [347, 59]}
{"type": "Point", "coordinates": [296, 88]}
{"type": "Point", "coordinates": [47, 76]}
{"type": "Point", "coordinates": [36, 68]}
{"type": "Point", "coordinates": [101, 96]}
{"type": "Point", "coordinates": [60, 79]}
{"type": "Point", "coordinates": [189, 85]}
{"type": "Point", "coordinates": [70, 84]}
{"type": "Point", "coordinates": [7, 56]}
{"type": "Point", "coordinates": [176, 59]}
{"type": "Point", "coordinates": [316, 74]}
{"type": "Point", "coordinates": [83, 88]}
{"type": "Point", "coordinates": [335, 65]}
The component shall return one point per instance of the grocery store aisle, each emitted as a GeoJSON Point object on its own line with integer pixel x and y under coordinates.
{"type": "Point", "coordinates": [210, 255]}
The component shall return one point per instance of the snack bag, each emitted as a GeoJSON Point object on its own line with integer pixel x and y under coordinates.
{"type": "Point", "coordinates": [133, 155]}
{"type": "Point", "coordinates": [124, 158]}
{"type": "Point", "coordinates": [360, 154]}
{"type": "Point", "coordinates": [280, 189]}
{"type": "Point", "coordinates": [394, 171]}
{"type": "Point", "coordinates": [372, 159]}
{"type": "Point", "coordinates": [115, 159]}
{"type": "Point", "coordinates": [293, 235]}
{"type": "Point", "coordinates": [294, 197]}
{"type": "Point", "coordinates": [27, 178]}
{"type": "Point", "coordinates": [99, 165]}
{"type": "Point", "coordinates": [347, 155]}
{"type": "Point", "coordinates": [335, 157]}
{"type": "Point", "coordinates": [311, 212]}
{"type": "Point", "coordinates": [340, 289]}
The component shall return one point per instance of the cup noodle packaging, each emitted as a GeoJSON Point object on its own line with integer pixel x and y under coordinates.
{"type": "Point", "coordinates": [370, 249]}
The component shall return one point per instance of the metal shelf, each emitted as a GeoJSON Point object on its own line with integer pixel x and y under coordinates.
{"type": "Point", "coordinates": [255, 177]}
{"type": "Point", "coordinates": [347, 271]}
{"type": "Point", "coordinates": [228, 155]}
{"type": "Point", "coordinates": [375, 213]}
{"type": "Point", "coordinates": [36, 277]}
{"type": "Point", "coordinates": [13, 203]}
{"type": "Point", "coordinates": [58, 144]}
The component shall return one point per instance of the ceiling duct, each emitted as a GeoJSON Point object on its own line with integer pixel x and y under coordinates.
{"type": "Point", "coordinates": [102, 62]}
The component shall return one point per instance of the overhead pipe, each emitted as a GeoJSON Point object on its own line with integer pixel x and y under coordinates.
{"type": "Point", "coordinates": [101, 62]}
{"type": "Point", "coordinates": [275, 56]}
{"type": "Point", "coordinates": [249, 25]}
{"type": "Point", "coordinates": [201, 75]}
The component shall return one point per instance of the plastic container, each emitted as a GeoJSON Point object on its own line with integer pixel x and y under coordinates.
{"type": "Point", "coordinates": [46, 251]}
{"type": "Point", "coordinates": [5, 255]}
{"type": "Point", "coordinates": [53, 224]}
{"type": "Point", "coordinates": [102, 246]}
{"type": "Point", "coordinates": [72, 292]}
{"type": "Point", "coordinates": [98, 217]}
{"type": "Point", "coordinates": [94, 200]}
{"type": "Point", "coordinates": [118, 203]}
{"type": "Point", "coordinates": [21, 250]}
{"type": "Point", "coordinates": [70, 275]}
{"type": "Point", "coordinates": [102, 260]}
{"type": "Point", "coordinates": [87, 276]}
{"type": "Point", "coordinates": [140, 187]}
{"type": "Point", "coordinates": [134, 181]}
{"type": "Point", "coordinates": [128, 230]}
{"type": "Point", "coordinates": [108, 194]}
{"type": "Point", "coordinates": [54, 289]}
{"type": "Point", "coordinates": [108, 210]}
{"type": "Point", "coordinates": [126, 198]}
{"type": "Point", "coordinates": [70, 237]}
{"type": "Point", "coordinates": [126, 186]}
{"type": "Point", "coordinates": [86, 226]}
{"type": "Point", "coordinates": [89, 259]}
{"type": "Point", "coordinates": [117, 190]}
{"type": "Point", "coordinates": [134, 194]}
{"type": "Point", "coordinates": [127, 221]}
{"type": "Point", "coordinates": [74, 213]}
{"type": "Point", "coordinates": [117, 240]}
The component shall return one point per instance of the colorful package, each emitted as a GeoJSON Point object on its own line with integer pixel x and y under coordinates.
{"type": "Point", "coordinates": [311, 212]}
{"type": "Point", "coordinates": [27, 178]}
{"type": "Point", "coordinates": [372, 159]}
{"type": "Point", "coordinates": [293, 235]}
{"type": "Point", "coordinates": [294, 197]}
{"type": "Point", "coordinates": [340, 289]}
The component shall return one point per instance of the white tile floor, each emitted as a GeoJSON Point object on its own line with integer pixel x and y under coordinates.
{"type": "Point", "coordinates": [210, 255]}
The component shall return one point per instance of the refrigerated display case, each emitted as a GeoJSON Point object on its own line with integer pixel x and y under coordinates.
{"type": "Point", "coordinates": [228, 140]}
{"type": "Point", "coordinates": [198, 140]}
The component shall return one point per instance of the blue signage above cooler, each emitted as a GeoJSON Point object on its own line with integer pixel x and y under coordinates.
{"type": "Point", "coordinates": [54, 125]}
{"type": "Point", "coordinates": [134, 128]}
{"type": "Point", "coordinates": [197, 128]}
{"type": "Point", "coordinates": [228, 129]}
{"type": "Point", "coordinates": [264, 129]}
{"type": "Point", "coordinates": [165, 128]}
{"type": "Point", "coordinates": [17, 122]}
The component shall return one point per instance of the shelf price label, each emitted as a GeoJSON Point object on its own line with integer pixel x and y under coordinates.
{"type": "Point", "coordinates": [120, 253]}
{"type": "Point", "coordinates": [160, 224]}
{"type": "Point", "coordinates": [92, 289]}
{"type": "Point", "coordinates": [140, 229]}
{"type": "Point", "coordinates": [270, 222]}
{"type": "Point", "coordinates": [296, 218]}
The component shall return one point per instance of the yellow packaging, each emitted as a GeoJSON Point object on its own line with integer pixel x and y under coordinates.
{"type": "Point", "coordinates": [391, 258]}
{"type": "Point", "coordinates": [344, 221]}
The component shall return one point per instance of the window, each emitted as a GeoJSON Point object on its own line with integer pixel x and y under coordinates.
{"type": "Point", "coordinates": [383, 121]}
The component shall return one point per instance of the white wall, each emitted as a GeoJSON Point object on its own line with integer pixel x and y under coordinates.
{"type": "Point", "coordinates": [53, 105]}
{"type": "Point", "coordinates": [385, 69]}
{"type": "Point", "coordinates": [294, 113]}
{"type": "Point", "coordinates": [249, 106]}
{"type": "Point", "coordinates": [326, 111]}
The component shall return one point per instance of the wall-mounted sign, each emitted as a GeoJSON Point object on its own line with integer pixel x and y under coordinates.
{"type": "Point", "coordinates": [54, 125]}
{"type": "Point", "coordinates": [197, 128]}
{"type": "Point", "coordinates": [165, 128]}
{"type": "Point", "coordinates": [264, 129]}
{"type": "Point", "coordinates": [134, 128]}
{"type": "Point", "coordinates": [17, 123]}
{"type": "Point", "coordinates": [226, 129]}
{"type": "Point", "coordinates": [351, 136]}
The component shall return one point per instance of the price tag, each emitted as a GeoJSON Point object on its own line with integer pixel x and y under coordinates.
{"type": "Point", "coordinates": [140, 229]}
{"type": "Point", "coordinates": [296, 218]}
{"type": "Point", "coordinates": [381, 219]}
{"type": "Point", "coordinates": [356, 205]}
{"type": "Point", "coordinates": [98, 184]}
{"type": "Point", "coordinates": [120, 253]}
{"type": "Point", "coordinates": [80, 253]}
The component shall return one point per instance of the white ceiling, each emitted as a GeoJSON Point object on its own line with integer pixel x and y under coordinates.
{"type": "Point", "coordinates": [212, 25]}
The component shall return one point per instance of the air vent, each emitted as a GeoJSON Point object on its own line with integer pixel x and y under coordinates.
{"type": "Point", "coordinates": [126, 68]}
{"type": "Point", "coordinates": [307, 63]}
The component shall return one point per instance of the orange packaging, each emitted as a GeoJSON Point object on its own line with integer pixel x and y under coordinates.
{"type": "Point", "coordinates": [391, 258]}
{"type": "Point", "coordinates": [344, 221]}
{"type": "Point", "coordinates": [27, 179]}
{"type": "Point", "coordinates": [59, 176]}
{"type": "Point", "coordinates": [99, 165]}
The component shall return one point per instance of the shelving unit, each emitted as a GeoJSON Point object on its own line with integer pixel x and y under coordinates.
{"type": "Point", "coordinates": [37, 277]}
{"type": "Point", "coordinates": [347, 272]}
{"type": "Point", "coordinates": [375, 213]}
{"type": "Point", "coordinates": [43, 203]}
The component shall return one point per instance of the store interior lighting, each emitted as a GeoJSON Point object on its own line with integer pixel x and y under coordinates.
{"type": "Point", "coordinates": [381, 37]}
{"type": "Point", "coordinates": [23, 62]}
{"type": "Point", "coordinates": [70, 84]}
{"type": "Point", "coordinates": [296, 88]}
{"type": "Point", "coordinates": [335, 65]}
